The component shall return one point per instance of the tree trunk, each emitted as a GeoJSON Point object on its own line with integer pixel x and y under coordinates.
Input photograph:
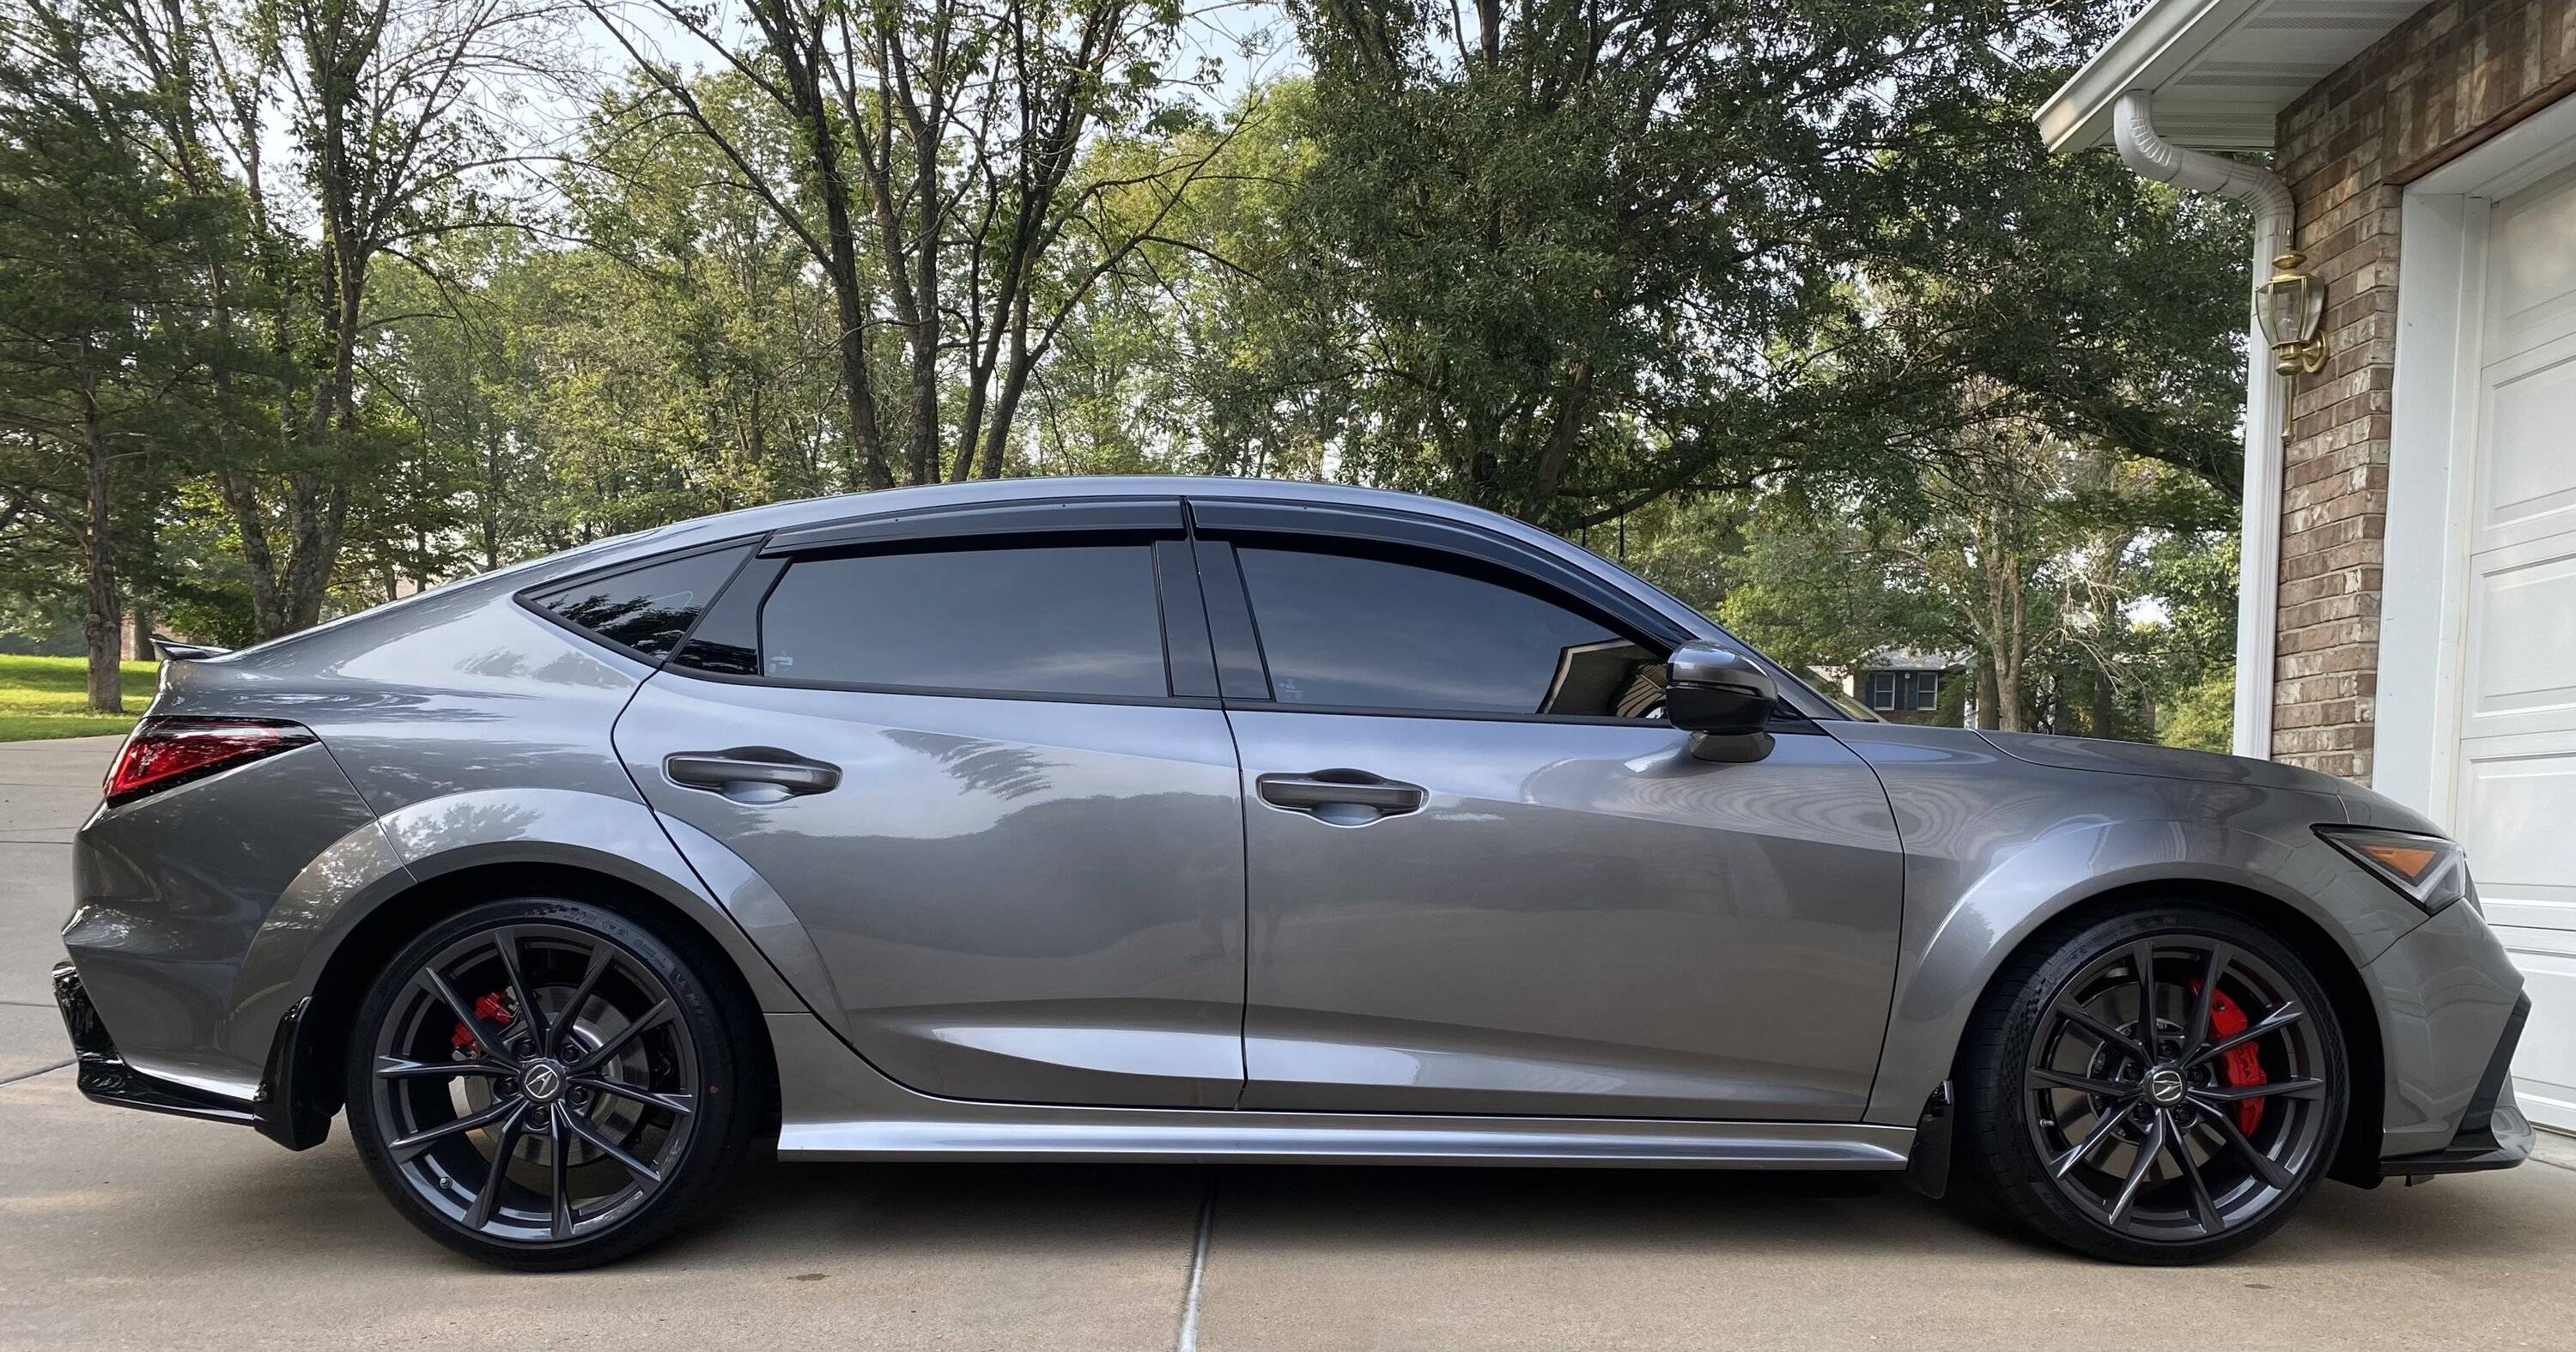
{"type": "Point", "coordinates": [1986, 698]}
{"type": "Point", "coordinates": [851, 311]}
{"type": "Point", "coordinates": [925, 294]}
{"type": "Point", "coordinates": [100, 626]}
{"type": "Point", "coordinates": [1015, 381]}
{"type": "Point", "coordinates": [2005, 614]}
{"type": "Point", "coordinates": [2104, 708]}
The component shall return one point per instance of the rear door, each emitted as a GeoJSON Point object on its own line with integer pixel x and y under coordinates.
{"type": "Point", "coordinates": [1485, 876]}
{"type": "Point", "coordinates": [969, 753]}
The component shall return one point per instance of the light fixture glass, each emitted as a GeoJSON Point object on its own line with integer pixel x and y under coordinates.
{"type": "Point", "coordinates": [2292, 310]}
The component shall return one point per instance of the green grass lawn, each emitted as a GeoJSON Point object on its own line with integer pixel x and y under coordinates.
{"type": "Point", "coordinates": [47, 697]}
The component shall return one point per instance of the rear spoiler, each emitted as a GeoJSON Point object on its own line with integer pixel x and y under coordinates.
{"type": "Point", "coordinates": [172, 650]}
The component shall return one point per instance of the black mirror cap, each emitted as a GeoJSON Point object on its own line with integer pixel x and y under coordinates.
{"type": "Point", "coordinates": [1717, 692]}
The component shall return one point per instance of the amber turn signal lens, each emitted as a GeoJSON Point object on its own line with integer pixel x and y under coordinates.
{"type": "Point", "coordinates": [2427, 868]}
{"type": "Point", "coordinates": [2410, 862]}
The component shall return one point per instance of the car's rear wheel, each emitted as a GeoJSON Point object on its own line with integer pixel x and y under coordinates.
{"type": "Point", "coordinates": [2162, 1086]}
{"type": "Point", "coordinates": [545, 1084]}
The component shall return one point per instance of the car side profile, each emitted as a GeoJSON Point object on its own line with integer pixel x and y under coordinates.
{"type": "Point", "coordinates": [1176, 819]}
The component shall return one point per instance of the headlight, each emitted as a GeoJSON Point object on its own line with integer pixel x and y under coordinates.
{"type": "Point", "coordinates": [2431, 871]}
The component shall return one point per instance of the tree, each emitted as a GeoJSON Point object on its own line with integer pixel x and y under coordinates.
{"type": "Point", "coordinates": [2109, 309]}
{"type": "Point", "coordinates": [940, 170]}
{"type": "Point", "coordinates": [1593, 243]}
{"type": "Point", "coordinates": [98, 309]}
{"type": "Point", "coordinates": [1814, 588]}
{"type": "Point", "coordinates": [399, 112]}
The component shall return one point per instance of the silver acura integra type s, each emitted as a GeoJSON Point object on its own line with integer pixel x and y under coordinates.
{"type": "Point", "coordinates": [1174, 819]}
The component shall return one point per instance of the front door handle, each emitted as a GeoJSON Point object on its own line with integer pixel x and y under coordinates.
{"type": "Point", "coordinates": [751, 774]}
{"type": "Point", "coordinates": [1342, 797]}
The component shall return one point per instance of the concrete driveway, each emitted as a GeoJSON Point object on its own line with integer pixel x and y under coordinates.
{"type": "Point", "coordinates": [130, 1230]}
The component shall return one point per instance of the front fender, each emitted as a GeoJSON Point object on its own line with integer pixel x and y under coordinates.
{"type": "Point", "coordinates": [1998, 846]}
{"type": "Point", "coordinates": [1939, 980]}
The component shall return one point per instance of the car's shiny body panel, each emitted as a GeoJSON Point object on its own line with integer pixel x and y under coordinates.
{"type": "Point", "coordinates": [1996, 845]}
{"type": "Point", "coordinates": [1024, 927]}
{"type": "Point", "coordinates": [1495, 951]}
{"type": "Point", "coordinates": [1014, 899]}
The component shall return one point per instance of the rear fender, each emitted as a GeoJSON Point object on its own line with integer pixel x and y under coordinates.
{"type": "Point", "coordinates": [616, 838]}
{"type": "Point", "coordinates": [388, 862]}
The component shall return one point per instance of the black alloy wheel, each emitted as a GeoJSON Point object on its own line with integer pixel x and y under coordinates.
{"type": "Point", "coordinates": [545, 1084]}
{"type": "Point", "coordinates": [2160, 1087]}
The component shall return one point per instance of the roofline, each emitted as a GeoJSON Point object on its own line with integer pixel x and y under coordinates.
{"type": "Point", "coordinates": [2150, 49]}
{"type": "Point", "coordinates": [982, 492]}
{"type": "Point", "coordinates": [852, 507]}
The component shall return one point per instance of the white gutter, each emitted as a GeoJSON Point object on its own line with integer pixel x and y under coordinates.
{"type": "Point", "coordinates": [2259, 562]}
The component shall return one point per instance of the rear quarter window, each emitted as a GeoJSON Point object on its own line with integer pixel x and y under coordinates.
{"type": "Point", "coordinates": [648, 609]}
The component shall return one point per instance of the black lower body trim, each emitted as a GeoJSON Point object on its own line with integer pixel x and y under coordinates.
{"type": "Point", "coordinates": [2493, 1133]}
{"type": "Point", "coordinates": [105, 1077]}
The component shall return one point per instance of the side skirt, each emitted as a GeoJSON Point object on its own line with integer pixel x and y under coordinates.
{"type": "Point", "coordinates": [835, 1107]}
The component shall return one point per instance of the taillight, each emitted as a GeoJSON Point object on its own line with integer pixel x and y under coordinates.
{"type": "Point", "coordinates": [165, 752]}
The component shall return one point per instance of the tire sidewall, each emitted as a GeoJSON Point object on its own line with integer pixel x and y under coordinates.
{"type": "Point", "coordinates": [720, 1134]}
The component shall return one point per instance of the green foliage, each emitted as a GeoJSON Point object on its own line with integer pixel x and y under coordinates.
{"type": "Point", "coordinates": [2202, 716]}
{"type": "Point", "coordinates": [1816, 590]}
{"type": "Point", "coordinates": [1782, 304]}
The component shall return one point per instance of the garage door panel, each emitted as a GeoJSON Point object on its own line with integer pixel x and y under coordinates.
{"type": "Point", "coordinates": [2519, 665]}
{"type": "Point", "coordinates": [2517, 796]}
{"type": "Point", "coordinates": [2531, 268]}
{"type": "Point", "coordinates": [2544, 1066]}
{"type": "Point", "coordinates": [2527, 408]}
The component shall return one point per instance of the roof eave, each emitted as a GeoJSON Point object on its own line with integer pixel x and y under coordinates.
{"type": "Point", "coordinates": [2150, 49]}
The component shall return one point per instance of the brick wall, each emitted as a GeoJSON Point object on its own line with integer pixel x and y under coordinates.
{"type": "Point", "coordinates": [2450, 77]}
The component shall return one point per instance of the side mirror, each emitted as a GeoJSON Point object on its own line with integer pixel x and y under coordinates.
{"type": "Point", "coordinates": [1720, 695]}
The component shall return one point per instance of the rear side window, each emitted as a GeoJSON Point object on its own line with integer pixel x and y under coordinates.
{"type": "Point", "coordinates": [1344, 631]}
{"type": "Point", "coordinates": [1074, 620]}
{"type": "Point", "coordinates": [648, 609]}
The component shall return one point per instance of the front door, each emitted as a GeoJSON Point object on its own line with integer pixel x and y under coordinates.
{"type": "Point", "coordinates": [1008, 822]}
{"type": "Point", "coordinates": [1486, 877]}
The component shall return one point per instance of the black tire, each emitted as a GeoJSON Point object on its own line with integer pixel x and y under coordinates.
{"type": "Point", "coordinates": [2071, 1124]}
{"type": "Point", "coordinates": [621, 1108]}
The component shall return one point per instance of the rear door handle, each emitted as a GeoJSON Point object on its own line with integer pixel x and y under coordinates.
{"type": "Point", "coordinates": [751, 774]}
{"type": "Point", "coordinates": [1342, 797]}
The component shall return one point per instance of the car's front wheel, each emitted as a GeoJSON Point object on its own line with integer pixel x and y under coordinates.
{"type": "Point", "coordinates": [2161, 1086]}
{"type": "Point", "coordinates": [544, 1084]}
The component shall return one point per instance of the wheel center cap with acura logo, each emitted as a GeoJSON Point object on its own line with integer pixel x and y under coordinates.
{"type": "Point", "coordinates": [2165, 1086]}
{"type": "Point", "coordinates": [543, 1081]}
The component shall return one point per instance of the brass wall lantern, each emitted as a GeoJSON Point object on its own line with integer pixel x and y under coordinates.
{"type": "Point", "coordinates": [2292, 309]}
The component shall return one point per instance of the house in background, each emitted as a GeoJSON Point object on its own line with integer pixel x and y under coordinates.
{"type": "Point", "coordinates": [1907, 687]}
{"type": "Point", "coordinates": [2408, 619]}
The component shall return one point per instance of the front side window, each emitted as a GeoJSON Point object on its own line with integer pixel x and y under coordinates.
{"type": "Point", "coordinates": [1345, 631]}
{"type": "Point", "coordinates": [648, 609]}
{"type": "Point", "coordinates": [1077, 620]}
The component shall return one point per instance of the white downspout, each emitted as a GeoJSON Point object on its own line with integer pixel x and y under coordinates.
{"type": "Point", "coordinates": [2259, 587]}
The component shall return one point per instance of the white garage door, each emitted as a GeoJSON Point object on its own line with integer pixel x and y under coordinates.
{"type": "Point", "coordinates": [2514, 800]}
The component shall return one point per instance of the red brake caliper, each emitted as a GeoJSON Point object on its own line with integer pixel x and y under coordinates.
{"type": "Point", "coordinates": [490, 1010]}
{"type": "Point", "coordinates": [2242, 1065]}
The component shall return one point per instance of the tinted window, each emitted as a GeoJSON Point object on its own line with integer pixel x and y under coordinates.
{"type": "Point", "coordinates": [1355, 632]}
{"type": "Point", "coordinates": [648, 609]}
{"type": "Point", "coordinates": [1063, 621]}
